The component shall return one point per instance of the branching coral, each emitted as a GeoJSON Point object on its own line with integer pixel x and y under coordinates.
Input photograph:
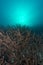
{"type": "Point", "coordinates": [19, 46]}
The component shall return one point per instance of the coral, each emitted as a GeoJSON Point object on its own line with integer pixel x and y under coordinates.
{"type": "Point", "coordinates": [20, 46]}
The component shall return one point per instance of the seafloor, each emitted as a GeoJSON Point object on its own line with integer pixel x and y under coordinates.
{"type": "Point", "coordinates": [20, 46]}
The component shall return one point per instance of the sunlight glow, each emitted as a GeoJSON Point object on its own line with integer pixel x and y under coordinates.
{"type": "Point", "coordinates": [21, 16]}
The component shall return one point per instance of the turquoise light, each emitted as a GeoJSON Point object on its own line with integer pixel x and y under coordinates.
{"type": "Point", "coordinates": [24, 12]}
{"type": "Point", "coordinates": [21, 16]}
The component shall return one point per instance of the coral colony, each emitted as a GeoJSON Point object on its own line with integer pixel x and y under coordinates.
{"type": "Point", "coordinates": [20, 46]}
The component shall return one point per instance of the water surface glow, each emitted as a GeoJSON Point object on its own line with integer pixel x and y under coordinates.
{"type": "Point", "coordinates": [24, 12]}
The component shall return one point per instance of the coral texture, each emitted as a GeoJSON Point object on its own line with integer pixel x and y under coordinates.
{"type": "Point", "coordinates": [20, 46]}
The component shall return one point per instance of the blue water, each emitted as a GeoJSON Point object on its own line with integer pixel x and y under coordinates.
{"type": "Point", "coordinates": [23, 12]}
